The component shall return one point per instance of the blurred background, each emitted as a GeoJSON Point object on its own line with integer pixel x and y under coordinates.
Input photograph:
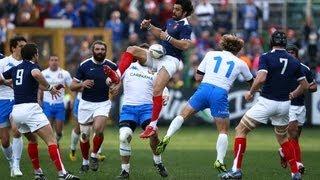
{"type": "Point", "coordinates": [68, 27]}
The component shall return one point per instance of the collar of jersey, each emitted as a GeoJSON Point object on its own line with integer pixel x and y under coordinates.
{"type": "Point", "coordinates": [280, 49]}
{"type": "Point", "coordinates": [184, 20]}
{"type": "Point", "coordinates": [96, 62]}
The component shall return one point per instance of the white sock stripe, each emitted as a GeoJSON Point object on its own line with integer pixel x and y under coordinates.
{"type": "Point", "coordinates": [59, 159]}
{"type": "Point", "coordinates": [235, 162]}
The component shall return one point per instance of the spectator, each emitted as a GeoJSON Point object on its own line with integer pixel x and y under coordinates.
{"type": "Point", "coordinates": [222, 18]}
{"type": "Point", "coordinates": [86, 15]}
{"type": "Point", "coordinates": [250, 15]}
{"type": "Point", "coordinates": [132, 25]}
{"type": "Point", "coordinates": [103, 10]}
{"type": "Point", "coordinates": [70, 13]}
{"type": "Point", "coordinates": [292, 38]}
{"type": "Point", "coordinates": [58, 9]}
{"type": "Point", "coordinates": [28, 14]}
{"type": "Point", "coordinates": [12, 8]}
{"type": "Point", "coordinates": [165, 12]}
{"type": "Point", "coordinates": [117, 27]}
{"type": "Point", "coordinates": [204, 44]}
{"type": "Point", "coordinates": [4, 27]}
{"type": "Point", "coordinates": [205, 11]}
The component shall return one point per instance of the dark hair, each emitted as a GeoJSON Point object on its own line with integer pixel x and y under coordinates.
{"type": "Point", "coordinates": [29, 51]}
{"type": "Point", "coordinates": [14, 41]}
{"type": "Point", "coordinates": [294, 48]}
{"type": "Point", "coordinates": [100, 43]}
{"type": "Point", "coordinates": [278, 38]}
{"type": "Point", "coordinates": [231, 43]}
{"type": "Point", "coordinates": [144, 45]}
{"type": "Point", "coordinates": [186, 6]}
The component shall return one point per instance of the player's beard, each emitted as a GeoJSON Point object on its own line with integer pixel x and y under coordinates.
{"type": "Point", "coordinates": [99, 56]}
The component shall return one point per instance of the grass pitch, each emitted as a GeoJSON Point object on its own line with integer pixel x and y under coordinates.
{"type": "Point", "coordinates": [190, 155]}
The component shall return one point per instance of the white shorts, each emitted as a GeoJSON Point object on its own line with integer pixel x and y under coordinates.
{"type": "Point", "coordinates": [265, 109]}
{"type": "Point", "coordinates": [170, 63]}
{"type": "Point", "coordinates": [29, 117]}
{"type": "Point", "coordinates": [89, 110]}
{"type": "Point", "coordinates": [297, 113]}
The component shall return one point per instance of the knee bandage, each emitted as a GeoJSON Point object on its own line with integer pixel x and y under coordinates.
{"type": "Point", "coordinates": [281, 130]}
{"type": "Point", "coordinates": [125, 134]}
{"type": "Point", "coordinates": [85, 133]}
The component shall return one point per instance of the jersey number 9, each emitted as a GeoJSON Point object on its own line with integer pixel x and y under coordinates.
{"type": "Point", "coordinates": [19, 77]}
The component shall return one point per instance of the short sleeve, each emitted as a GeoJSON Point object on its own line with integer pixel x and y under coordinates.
{"type": "Point", "coordinates": [8, 74]}
{"type": "Point", "coordinates": [112, 65]}
{"type": "Point", "coordinates": [202, 66]}
{"type": "Point", "coordinates": [67, 79]}
{"type": "Point", "coordinates": [185, 33]}
{"type": "Point", "coordinates": [245, 71]}
{"type": "Point", "coordinates": [298, 73]}
{"type": "Point", "coordinates": [2, 65]}
{"type": "Point", "coordinates": [309, 76]}
{"type": "Point", "coordinates": [80, 74]}
{"type": "Point", "coordinates": [263, 66]}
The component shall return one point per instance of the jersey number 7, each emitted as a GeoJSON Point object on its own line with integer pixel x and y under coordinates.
{"type": "Point", "coordinates": [230, 64]}
{"type": "Point", "coordinates": [285, 61]}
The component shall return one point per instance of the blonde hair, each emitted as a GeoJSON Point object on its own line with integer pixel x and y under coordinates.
{"type": "Point", "coordinates": [231, 43]}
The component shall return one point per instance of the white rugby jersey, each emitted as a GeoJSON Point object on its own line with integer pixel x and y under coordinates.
{"type": "Point", "coordinates": [137, 85]}
{"type": "Point", "coordinates": [221, 69]}
{"type": "Point", "coordinates": [6, 64]}
{"type": "Point", "coordinates": [60, 76]}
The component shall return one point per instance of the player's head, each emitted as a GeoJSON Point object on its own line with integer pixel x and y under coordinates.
{"type": "Point", "coordinates": [144, 45]}
{"type": "Point", "coordinates": [278, 39]}
{"type": "Point", "coordinates": [30, 52]}
{"type": "Point", "coordinates": [231, 43]}
{"type": "Point", "coordinates": [182, 9]}
{"type": "Point", "coordinates": [15, 44]}
{"type": "Point", "coordinates": [293, 50]}
{"type": "Point", "coordinates": [54, 62]}
{"type": "Point", "coordinates": [99, 50]}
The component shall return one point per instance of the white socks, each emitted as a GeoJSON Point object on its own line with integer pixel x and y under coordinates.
{"type": "Point", "coordinates": [85, 161]}
{"type": "Point", "coordinates": [125, 167]}
{"type": "Point", "coordinates": [74, 140]}
{"type": "Point", "coordinates": [100, 150]}
{"type": "Point", "coordinates": [222, 146]}
{"type": "Point", "coordinates": [153, 124]}
{"type": "Point", "coordinates": [8, 154]}
{"type": "Point", "coordinates": [17, 146]}
{"type": "Point", "coordinates": [175, 125]}
{"type": "Point", "coordinates": [157, 159]}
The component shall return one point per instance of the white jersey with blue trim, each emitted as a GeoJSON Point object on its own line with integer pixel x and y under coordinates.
{"type": "Point", "coordinates": [6, 64]}
{"type": "Point", "coordinates": [137, 85]}
{"type": "Point", "coordinates": [221, 68]}
{"type": "Point", "coordinates": [60, 76]}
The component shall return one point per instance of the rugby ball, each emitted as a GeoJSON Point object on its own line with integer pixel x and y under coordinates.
{"type": "Point", "coordinates": [157, 51]}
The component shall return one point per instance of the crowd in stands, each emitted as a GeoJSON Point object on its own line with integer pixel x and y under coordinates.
{"type": "Point", "coordinates": [210, 21]}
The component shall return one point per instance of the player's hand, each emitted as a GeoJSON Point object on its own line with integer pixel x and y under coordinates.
{"type": "Point", "coordinates": [248, 96]}
{"type": "Point", "coordinates": [114, 89]}
{"type": "Point", "coordinates": [145, 23]}
{"type": "Point", "coordinates": [59, 86]}
{"type": "Point", "coordinates": [8, 83]}
{"type": "Point", "coordinates": [291, 96]}
{"type": "Point", "coordinates": [55, 93]}
{"type": "Point", "coordinates": [163, 35]}
{"type": "Point", "coordinates": [87, 83]}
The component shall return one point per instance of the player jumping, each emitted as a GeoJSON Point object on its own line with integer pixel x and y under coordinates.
{"type": "Point", "coordinates": [297, 113]}
{"type": "Point", "coordinates": [27, 113]}
{"type": "Point", "coordinates": [217, 72]}
{"type": "Point", "coordinates": [175, 40]}
{"type": "Point", "coordinates": [12, 152]}
{"type": "Point", "coordinates": [94, 105]}
{"type": "Point", "coordinates": [277, 70]}
{"type": "Point", "coordinates": [54, 108]}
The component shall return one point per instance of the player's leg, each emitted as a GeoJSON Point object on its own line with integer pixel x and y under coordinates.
{"type": "Point", "coordinates": [33, 153]}
{"type": "Point", "coordinates": [75, 135]}
{"type": "Point", "coordinates": [5, 142]}
{"type": "Point", "coordinates": [60, 117]}
{"type": "Point", "coordinates": [222, 125]}
{"type": "Point", "coordinates": [85, 130]}
{"type": "Point", "coordinates": [99, 123]}
{"type": "Point", "coordinates": [126, 130]}
{"type": "Point", "coordinates": [17, 147]}
{"type": "Point", "coordinates": [132, 53]}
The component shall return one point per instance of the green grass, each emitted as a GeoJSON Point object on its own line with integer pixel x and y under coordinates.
{"type": "Point", "coordinates": [190, 155]}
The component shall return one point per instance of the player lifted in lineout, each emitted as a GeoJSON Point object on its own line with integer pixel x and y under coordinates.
{"type": "Point", "coordinates": [277, 70]}
{"type": "Point", "coordinates": [136, 111]}
{"type": "Point", "coordinates": [94, 105]}
{"type": "Point", "coordinates": [12, 152]}
{"type": "Point", "coordinates": [54, 108]}
{"type": "Point", "coordinates": [175, 39]}
{"type": "Point", "coordinates": [217, 72]}
{"type": "Point", "coordinates": [297, 112]}
{"type": "Point", "coordinates": [27, 113]}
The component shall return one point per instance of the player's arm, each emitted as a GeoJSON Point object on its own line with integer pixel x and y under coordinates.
{"type": "Point", "coordinates": [313, 87]}
{"type": "Point", "coordinates": [44, 85]}
{"type": "Point", "coordinates": [184, 43]}
{"type": "Point", "coordinates": [202, 68]}
{"type": "Point", "coordinates": [311, 81]}
{"type": "Point", "coordinates": [77, 85]}
{"type": "Point", "coordinates": [258, 82]}
{"type": "Point", "coordinates": [146, 24]}
{"type": "Point", "coordinates": [6, 78]}
{"type": "Point", "coordinates": [302, 88]}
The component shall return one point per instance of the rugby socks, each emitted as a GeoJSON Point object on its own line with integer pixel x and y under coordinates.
{"type": "Point", "coordinates": [157, 106]}
{"type": "Point", "coordinates": [297, 151]}
{"type": "Point", "coordinates": [157, 159]}
{"type": "Point", "coordinates": [97, 141]}
{"type": "Point", "coordinates": [55, 157]}
{"type": "Point", "coordinates": [34, 156]}
{"type": "Point", "coordinates": [100, 150]}
{"type": "Point", "coordinates": [125, 167]}
{"type": "Point", "coordinates": [85, 146]}
{"type": "Point", "coordinates": [125, 61]}
{"type": "Point", "coordinates": [222, 146]}
{"type": "Point", "coordinates": [175, 126]}
{"type": "Point", "coordinates": [74, 140]}
{"type": "Point", "coordinates": [288, 152]}
{"type": "Point", "coordinates": [238, 152]}
{"type": "Point", "coordinates": [17, 146]}
{"type": "Point", "coordinates": [8, 154]}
